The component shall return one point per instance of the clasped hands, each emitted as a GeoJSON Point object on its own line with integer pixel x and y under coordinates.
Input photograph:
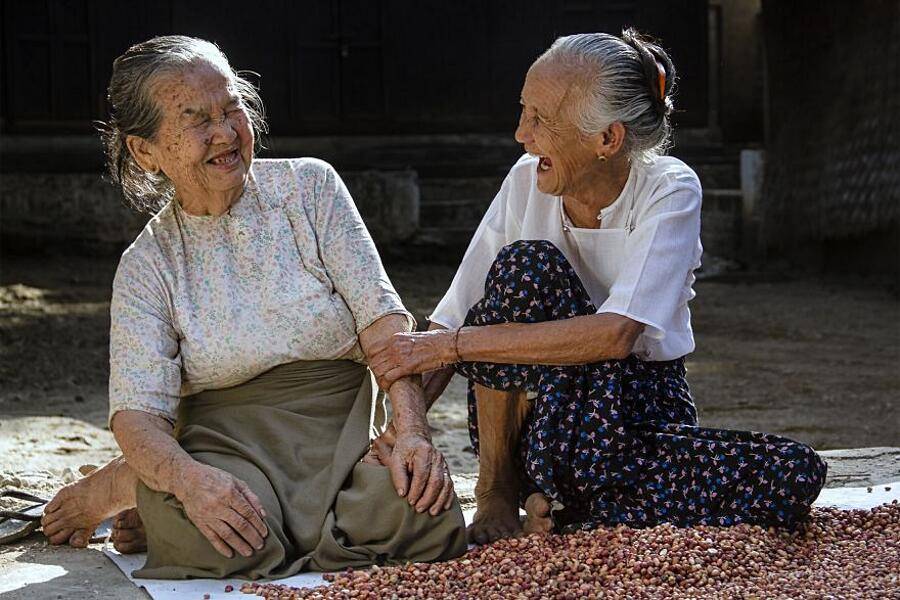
{"type": "Point", "coordinates": [408, 353]}
{"type": "Point", "coordinates": [418, 470]}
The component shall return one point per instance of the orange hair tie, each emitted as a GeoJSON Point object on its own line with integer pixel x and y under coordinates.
{"type": "Point", "coordinates": [662, 81]}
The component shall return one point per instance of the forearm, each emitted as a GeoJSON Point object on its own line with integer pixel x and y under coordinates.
{"type": "Point", "coordinates": [408, 406]}
{"type": "Point", "coordinates": [151, 450]}
{"type": "Point", "coordinates": [407, 401]}
{"type": "Point", "coordinates": [574, 341]}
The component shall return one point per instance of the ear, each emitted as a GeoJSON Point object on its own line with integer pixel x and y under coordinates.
{"type": "Point", "coordinates": [610, 142]}
{"type": "Point", "coordinates": [142, 151]}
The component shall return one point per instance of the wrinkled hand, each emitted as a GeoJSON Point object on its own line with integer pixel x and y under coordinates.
{"type": "Point", "coordinates": [382, 447]}
{"type": "Point", "coordinates": [404, 354]}
{"type": "Point", "coordinates": [430, 487]}
{"type": "Point", "coordinates": [224, 509]}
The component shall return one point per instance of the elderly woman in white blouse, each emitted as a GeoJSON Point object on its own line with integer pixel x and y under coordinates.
{"type": "Point", "coordinates": [569, 317]}
{"type": "Point", "coordinates": [241, 320]}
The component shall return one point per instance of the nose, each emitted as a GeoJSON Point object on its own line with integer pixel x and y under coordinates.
{"type": "Point", "coordinates": [223, 130]}
{"type": "Point", "coordinates": [523, 132]}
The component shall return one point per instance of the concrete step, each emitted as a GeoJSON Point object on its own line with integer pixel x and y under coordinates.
{"type": "Point", "coordinates": [461, 213]}
{"type": "Point", "coordinates": [441, 189]}
{"type": "Point", "coordinates": [451, 236]}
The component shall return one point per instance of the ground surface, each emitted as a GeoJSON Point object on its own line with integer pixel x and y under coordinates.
{"type": "Point", "coordinates": [815, 361]}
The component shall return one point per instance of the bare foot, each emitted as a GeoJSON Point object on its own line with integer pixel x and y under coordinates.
{"type": "Point", "coordinates": [497, 516]}
{"type": "Point", "coordinates": [537, 511]}
{"type": "Point", "coordinates": [128, 536]}
{"type": "Point", "coordinates": [74, 513]}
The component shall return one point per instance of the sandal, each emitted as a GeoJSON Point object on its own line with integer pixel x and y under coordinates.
{"type": "Point", "coordinates": [17, 524]}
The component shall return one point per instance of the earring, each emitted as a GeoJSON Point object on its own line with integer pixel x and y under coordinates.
{"type": "Point", "coordinates": [601, 158]}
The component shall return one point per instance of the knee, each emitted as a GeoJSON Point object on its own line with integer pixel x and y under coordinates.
{"type": "Point", "coordinates": [517, 263]}
{"type": "Point", "coordinates": [542, 250]}
{"type": "Point", "coordinates": [816, 468]}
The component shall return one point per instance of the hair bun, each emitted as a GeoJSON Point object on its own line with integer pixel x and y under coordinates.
{"type": "Point", "coordinates": [659, 72]}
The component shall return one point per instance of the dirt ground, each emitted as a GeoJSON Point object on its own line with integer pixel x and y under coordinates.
{"type": "Point", "coordinates": [813, 360]}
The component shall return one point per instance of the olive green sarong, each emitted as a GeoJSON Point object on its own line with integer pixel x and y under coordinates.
{"type": "Point", "coordinates": [295, 434]}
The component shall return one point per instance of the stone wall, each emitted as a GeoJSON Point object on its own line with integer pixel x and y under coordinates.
{"type": "Point", "coordinates": [80, 212]}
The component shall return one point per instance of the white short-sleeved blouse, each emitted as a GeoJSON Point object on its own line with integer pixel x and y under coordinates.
{"type": "Point", "coordinates": [288, 273]}
{"type": "Point", "coordinates": [640, 263]}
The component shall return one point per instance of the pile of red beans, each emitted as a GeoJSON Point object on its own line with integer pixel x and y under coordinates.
{"type": "Point", "coordinates": [836, 554]}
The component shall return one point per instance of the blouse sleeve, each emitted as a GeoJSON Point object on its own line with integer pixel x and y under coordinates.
{"type": "Point", "coordinates": [350, 256]}
{"type": "Point", "coordinates": [497, 228]}
{"type": "Point", "coordinates": [144, 360]}
{"type": "Point", "coordinates": [660, 257]}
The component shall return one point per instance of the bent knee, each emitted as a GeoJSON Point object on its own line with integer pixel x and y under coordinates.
{"type": "Point", "coordinates": [529, 248]}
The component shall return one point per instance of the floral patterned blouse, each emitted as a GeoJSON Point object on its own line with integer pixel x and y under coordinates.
{"type": "Point", "coordinates": [201, 302]}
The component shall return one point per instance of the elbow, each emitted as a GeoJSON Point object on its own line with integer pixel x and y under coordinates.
{"type": "Point", "coordinates": [620, 350]}
{"type": "Point", "coordinates": [622, 337]}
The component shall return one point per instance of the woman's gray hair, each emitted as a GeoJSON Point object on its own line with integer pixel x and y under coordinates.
{"type": "Point", "coordinates": [134, 110]}
{"type": "Point", "coordinates": [620, 83]}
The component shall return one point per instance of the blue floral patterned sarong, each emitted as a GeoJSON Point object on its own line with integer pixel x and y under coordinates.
{"type": "Point", "coordinates": [618, 441]}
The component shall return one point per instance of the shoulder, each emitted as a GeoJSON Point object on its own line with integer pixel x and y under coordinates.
{"type": "Point", "coordinates": [666, 184]}
{"type": "Point", "coordinates": [298, 179]}
{"type": "Point", "coordinates": [158, 234]}
{"type": "Point", "coordinates": [146, 257]}
{"type": "Point", "coordinates": [305, 166]}
{"type": "Point", "coordinates": [667, 173]}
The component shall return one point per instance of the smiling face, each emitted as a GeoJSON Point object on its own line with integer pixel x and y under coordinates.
{"type": "Point", "coordinates": [204, 144]}
{"type": "Point", "coordinates": [546, 129]}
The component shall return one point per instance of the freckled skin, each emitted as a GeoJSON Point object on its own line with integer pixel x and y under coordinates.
{"type": "Point", "coordinates": [200, 119]}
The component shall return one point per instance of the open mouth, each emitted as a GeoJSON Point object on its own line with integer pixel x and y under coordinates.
{"type": "Point", "coordinates": [544, 164]}
{"type": "Point", "coordinates": [225, 159]}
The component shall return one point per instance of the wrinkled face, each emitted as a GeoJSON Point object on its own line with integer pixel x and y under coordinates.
{"type": "Point", "coordinates": [205, 140]}
{"type": "Point", "coordinates": [546, 129]}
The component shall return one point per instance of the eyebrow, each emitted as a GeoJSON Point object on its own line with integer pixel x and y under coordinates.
{"type": "Point", "coordinates": [191, 111]}
{"type": "Point", "coordinates": [539, 113]}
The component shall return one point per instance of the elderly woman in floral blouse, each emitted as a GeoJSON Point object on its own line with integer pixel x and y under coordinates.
{"type": "Point", "coordinates": [241, 320]}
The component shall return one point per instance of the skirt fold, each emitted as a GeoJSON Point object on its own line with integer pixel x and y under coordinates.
{"type": "Point", "coordinates": [295, 435]}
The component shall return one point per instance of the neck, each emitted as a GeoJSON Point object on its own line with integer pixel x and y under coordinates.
{"type": "Point", "coordinates": [208, 203]}
{"type": "Point", "coordinates": [599, 190]}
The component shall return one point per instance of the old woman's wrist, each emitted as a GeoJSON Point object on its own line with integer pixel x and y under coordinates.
{"type": "Point", "coordinates": [181, 475]}
{"type": "Point", "coordinates": [450, 355]}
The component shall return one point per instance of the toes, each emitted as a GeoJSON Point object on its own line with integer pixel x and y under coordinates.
{"type": "Point", "coordinates": [130, 547]}
{"type": "Point", "coordinates": [128, 535]}
{"type": "Point", "coordinates": [80, 538]}
{"type": "Point", "coordinates": [60, 537]}
{"type": "Point", "coordinates": [537, 505]}
{"type": "Point", "coordinates": [491, 534]}
{"type": "Point", "coordinates": [507, 530]}
{"type": "Point", "coordinates": [128, 519]}
{"type": "Point", "coordinates": [54, 527]}
{"type": "Point", "coordinates": [477, 535]}
{"type": "Point", "coordinates": [538, 524]}
{"type": "Point", "coordinates": [498, 533]}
